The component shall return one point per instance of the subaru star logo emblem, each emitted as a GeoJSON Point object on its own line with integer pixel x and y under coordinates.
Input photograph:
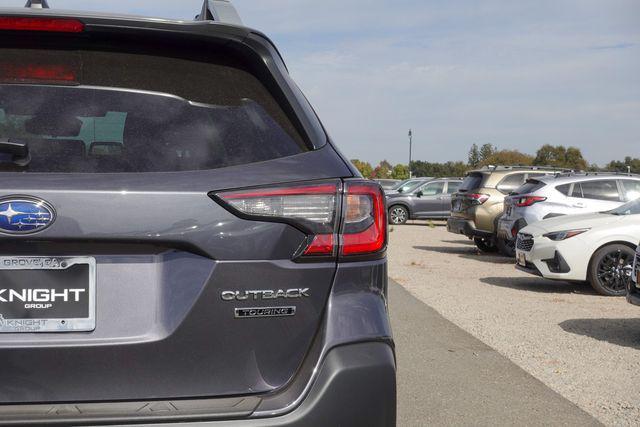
{"type": "Point", "coordinates": [24, 215]}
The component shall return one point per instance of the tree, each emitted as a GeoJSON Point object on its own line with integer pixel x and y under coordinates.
{"type": "Point", "coordinates": [486, 151]}
{"type": "Point", "coordinates": [382, 171]}
{"type": "Point", "coordinates": [474, 156]}
{"type": "Point", "coordinates": [420, 168]}
{"type": "Point", "coordinates": [622, 166]}
{"type": "Point", "coordinates": [508, 157]}
{"type": "Point", "coordinates": [364, 167]}
{"type": "Point", "coordinates": [400, 171]}
{"type": "Point", "coordinates": [560, 157]}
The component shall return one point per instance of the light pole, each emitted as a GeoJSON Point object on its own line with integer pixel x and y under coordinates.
{"type": "Point", "coordinates": [410, 143]}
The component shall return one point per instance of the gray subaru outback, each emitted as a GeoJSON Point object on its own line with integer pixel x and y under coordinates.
{"type": "Point", "coordinates": [179, 239]}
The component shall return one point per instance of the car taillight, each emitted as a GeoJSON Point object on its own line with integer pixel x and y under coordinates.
{"type": "Point", "coordinates": [315, 210]}
{"type": "Point", "coordinates": [477, 199]}
{"type": "Point", "coordinates": [27, 73]}
{"type": "Point", "coordinates": [529, 200]}
{"type": "Point", "coordinates": [364, 228]}
{"type": "Point", "coordinates": [54, 25]}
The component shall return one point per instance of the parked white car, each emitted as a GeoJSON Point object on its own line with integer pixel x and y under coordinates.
{"type": "Point", "coordinates": [566, 194]}
{"type": "Point", "coordinates": [598, 248]}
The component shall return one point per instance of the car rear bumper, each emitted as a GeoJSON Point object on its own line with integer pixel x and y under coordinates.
{"type": "Point", "coordinates": [508, 228]}
{"type": "Point", "coordinates": [355, 385]}
{"type": "Point", "coordinates": [465, 227]}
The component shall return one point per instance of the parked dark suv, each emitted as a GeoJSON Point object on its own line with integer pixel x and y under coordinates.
{"type": "Point", "coordinates": [179, 240]}
{"type": "Point", "coordinates": [428, 200]}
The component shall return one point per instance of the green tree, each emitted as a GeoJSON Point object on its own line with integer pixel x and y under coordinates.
{"type": "Point", "coordinates": [400, 171]}
{"type": "Point", "coordinates": [420, 168]}
{"type": "Point", "coordinates": [474, 156]}
{"type": "Point", "coordinates": [508, 157]}
{"type": "Point", "coordinates": [382, 171]}
{"type": "Point", "coordinates": [622, 166]}
{"type": "Point", "coordinates": [486, 151]}
{"type": "Point", "coordinates": [561, 157]}
{"type": "Point", "coordinates": [364, 167]}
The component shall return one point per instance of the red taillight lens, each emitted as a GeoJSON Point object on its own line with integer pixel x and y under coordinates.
{"type": "Point", "coordinates": [477, 199]}
{"type": "Point", "coordinates": [313, 208]}
{"type": "Point", "coordinates": [364, 230]}
{"type": "Point", "coordinates": [16, 73]}
{"type": "Point", "coordinates": [55, 25]}
{"type": "Point", "coordinates": [529, 200]}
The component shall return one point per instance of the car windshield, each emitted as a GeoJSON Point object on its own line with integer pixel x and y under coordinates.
{"type": "Point", "coordinates": [631, 208]}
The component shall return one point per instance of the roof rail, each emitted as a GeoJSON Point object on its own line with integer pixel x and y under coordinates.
{"type": "Point", "coordinates": [37, 4]}
{"type": "Point", "coordinates": [526, 167]}
{"type": "Point", "coordinates": [220, 11]}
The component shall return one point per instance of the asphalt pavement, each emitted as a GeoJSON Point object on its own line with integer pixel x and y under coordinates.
{"type": "Point", "coordinates": [448, 377]}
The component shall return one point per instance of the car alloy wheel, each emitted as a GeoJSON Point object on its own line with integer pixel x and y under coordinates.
{"type": "Point", "coordinates": [398, 215]}
{"type": "Point", "coordinates": [610, 270]}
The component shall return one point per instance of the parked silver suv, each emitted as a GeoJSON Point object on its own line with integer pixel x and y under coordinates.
{"type": "Point", "coordinates": [430, 200]}
{"type": "Point", "coordinates": [565, 194]}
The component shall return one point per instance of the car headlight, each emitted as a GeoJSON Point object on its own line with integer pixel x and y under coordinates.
{"type": "Point", "coordinates": [563, 235]}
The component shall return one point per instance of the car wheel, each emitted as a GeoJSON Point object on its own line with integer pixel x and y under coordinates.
{"type": "Point", "coordinates": [398, 215]}
{"type": "Point", "coordinates": [485, 244]}
{"type": "Point", "coordinates": [507, 247]}
{"type": "Point", "coordinates": [608, 271]}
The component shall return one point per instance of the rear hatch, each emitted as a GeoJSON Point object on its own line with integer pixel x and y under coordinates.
{"type": "Point", "coordinates": [468, 195]}
{"type": "Point", "coordinates": [522, 198]}
{"type": "Point", "coordinates": [124, 274]}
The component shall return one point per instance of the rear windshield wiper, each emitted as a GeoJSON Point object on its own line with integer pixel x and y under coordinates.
{"type": "Point", "coordinates": [19, 151]}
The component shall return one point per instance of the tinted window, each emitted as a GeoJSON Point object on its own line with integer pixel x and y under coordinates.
{"type": "Point", "coordinates": [577, 190]}
{"type": "Point", "coordinates": [564, 189]}
{"type": "Point", "coordinates": [453, 187]}
{"type": "Point", "coordinates": [530, 186]}
{"type": "Point", "coordinates": [511, 182]}
{"type": "Point", "coordinates": [472, 181]}
{"type": "Point", "coordinates": [432, 189]}
{"type": "Point", "coordinates": [145, 117]}
{"type": "Point", "coordinates": [631, 189]}
{"type": "Point", "coordinates": [600, 190]}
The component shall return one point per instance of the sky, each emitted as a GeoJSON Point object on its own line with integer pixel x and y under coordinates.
{"type": "Point", "coordinates": [514, 74]}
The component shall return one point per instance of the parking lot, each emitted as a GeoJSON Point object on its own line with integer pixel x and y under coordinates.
{"type": "Point", "coordinates": [581, 345]}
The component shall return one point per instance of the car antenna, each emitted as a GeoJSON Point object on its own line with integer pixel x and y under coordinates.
{"type": "Point", "coordinates": [37, 4]}
{"type": "Point", "coordinates": [220, 11]}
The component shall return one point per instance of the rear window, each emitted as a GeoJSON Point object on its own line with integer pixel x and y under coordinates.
{"type": "Point", "coordinates": [511, 182]}
{"type": "Point", "coordinates": [532, 185]}
{"type": "Point", "coordinates": [103, 112]}
{"type": "Point", "coordinates": [472, 181]}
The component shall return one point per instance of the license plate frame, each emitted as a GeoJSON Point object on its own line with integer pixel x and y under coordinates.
{"type": "Point", "coordinates": [35, 323]}
{"type": "Point", "coordinates": [521, 259]}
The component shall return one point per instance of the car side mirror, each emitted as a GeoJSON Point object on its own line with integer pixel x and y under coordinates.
{"type": "Point", "coordinates": [419, 193]}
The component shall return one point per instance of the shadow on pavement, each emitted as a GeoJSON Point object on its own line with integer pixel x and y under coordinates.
{"type": "Point", "coordinates": [448, 250]}
{"type": "Point", "coordinates": [622, 332]}
{"type": "Point", "coordinates": [468, 252]}
{"type": "Point", "coordinates": [460, 242]}
{"type": "Point", "coordinates": [539, 285]}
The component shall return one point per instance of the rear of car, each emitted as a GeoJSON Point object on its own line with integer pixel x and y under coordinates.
{"type": "Point", "coordinates": [178, 238]}
{"type": "Point", "coordinates": [479, 202]}
{"type": "Point", "coordinates": [553, 196]}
